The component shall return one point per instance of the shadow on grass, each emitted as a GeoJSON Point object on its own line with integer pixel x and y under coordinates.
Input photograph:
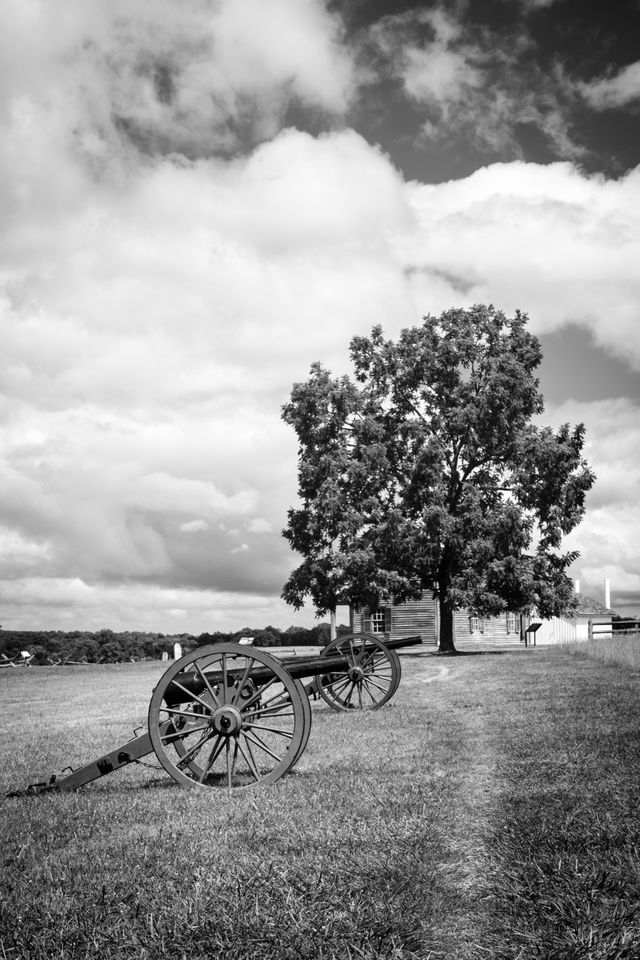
{"type": "Point", "coordinates": [458, 653]}
{"type": "Point", "coordinates": [479, 653]}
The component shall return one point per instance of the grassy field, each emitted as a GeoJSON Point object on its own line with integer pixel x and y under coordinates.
{"type": "Point", "coordinates": [490, 811]}
{"type": "Point", "coordinates": [616, 648]}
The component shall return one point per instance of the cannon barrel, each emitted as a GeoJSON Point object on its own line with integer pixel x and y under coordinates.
{"type": "Point", "coordinates": [189, 683]}
{"type": "Point", "coordinates": [396, 644]}
{"type": "Point", "coordinates": [256, 715]}
{"type": "Point", "coordinates": [297, 667]}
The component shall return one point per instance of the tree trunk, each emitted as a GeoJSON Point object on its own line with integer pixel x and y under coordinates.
{"type": "Point", "coordinates": [447, 637]}
{"type": "Point", "coordinates": [447, 634]}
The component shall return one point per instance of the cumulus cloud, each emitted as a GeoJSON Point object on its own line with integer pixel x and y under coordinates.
{"type": "Point", "coordinates": [148, 340]}
{"type": "Point", "coordinates": [606, 537]}
{"type": "Point", "coordinates": [147, 354]}
{"type": "Point", "coordinates": [619, 90]}
{"type": "Point", "coordinates": [156, 307]}
{"type": "Point", "coordinates": [69, 604]}
{"type": "Point", "coordinates": [549, 239]}
{"type": "Point", "coordinates": [193, 78]}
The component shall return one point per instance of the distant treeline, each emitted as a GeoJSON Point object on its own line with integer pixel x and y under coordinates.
{"type": "Point", "coordinates": [106, 646]}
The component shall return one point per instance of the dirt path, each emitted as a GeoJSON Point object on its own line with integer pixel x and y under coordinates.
{"type": "Point", "coordinates": [467, 749]}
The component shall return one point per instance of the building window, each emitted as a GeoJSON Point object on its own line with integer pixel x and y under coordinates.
{"type": "Point", "coordinates": [511, 623]}
{"type": "Point", "coordinates": [377, 622]}
{"type": "Point", "coordinates": [474, 624]}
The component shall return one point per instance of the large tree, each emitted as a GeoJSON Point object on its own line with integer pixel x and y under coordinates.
{"type": "Point", "coordinates": [427, 470]}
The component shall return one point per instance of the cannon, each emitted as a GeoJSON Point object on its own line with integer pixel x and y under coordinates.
{"type": "Point", "coordinates": [230, 715]}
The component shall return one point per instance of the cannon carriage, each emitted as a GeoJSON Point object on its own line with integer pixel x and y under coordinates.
{"type": "Point", "coordinates": [233, 716]}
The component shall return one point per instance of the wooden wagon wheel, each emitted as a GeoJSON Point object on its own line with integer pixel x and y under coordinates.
{"type": "Point", "coordinates": [370, 679]}
{"type": "Point", "coordinates": [306, 707]}
{"type": "Point", "coordinates": [197, 770]}
{"type": "Point", "coordinates": [228, 715]}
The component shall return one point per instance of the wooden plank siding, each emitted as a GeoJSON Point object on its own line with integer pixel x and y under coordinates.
{"type": "Point", "coordinates": [419, 617]}
{"type": "Point", "coordinates": [506, 627]}
{"type": "Point", "coordinates": [416, 618]}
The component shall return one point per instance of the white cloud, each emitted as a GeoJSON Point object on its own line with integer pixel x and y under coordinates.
{"type": "Point", "coordinates": [149, 348]}
{"type": "Point", "coordinates": [163, 492]}
{"type": "Point", "coordinates": [557, 243]}
{"type": "Point", "coordinates": [259, 525]}
{"type": "Point", "coordinates": [241, 549]}
{"type": "Point", "coordinates": [156, 309]}
{"type": "Point", "coordinates": [151, 337]}
{"type": "Point", "coordinates": [194, 526]}
{"type": "Point", "coordinates": [442, 69]}
{"type": "Point", "coordinates": [619, 90]}
{"type": "Point", "coordinates": [474, 86]}
{"type": "Point", "coordinates": [440, 72]}
{"type": "Point", "coordinates": [70, 604]}
{"type": "Point", "coordinates": [194, 77]}
{"type": "Point", "coordinates": [606, 538]}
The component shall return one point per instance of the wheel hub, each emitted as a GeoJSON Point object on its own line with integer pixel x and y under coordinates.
{"type": "Point", "coordinates": [356, 674]}
{"type": "Point", "coordinates": [226, 720]}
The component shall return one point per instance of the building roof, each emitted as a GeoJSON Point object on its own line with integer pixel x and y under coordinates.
{"type": "Point", "coordinates": [588, 607]}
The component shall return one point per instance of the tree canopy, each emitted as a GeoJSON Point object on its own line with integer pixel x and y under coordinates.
{"type": "Point", "coordinates": [426, 470]}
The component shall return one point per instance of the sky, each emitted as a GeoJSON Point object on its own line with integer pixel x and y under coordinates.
{"type": "Point", "coordinates": [199, 200]}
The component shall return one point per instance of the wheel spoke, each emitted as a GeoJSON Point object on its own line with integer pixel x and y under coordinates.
{"type": "Point", "coordinates": [274, 701]}
{"type": "Point", "coordinates": [349, 695]}
{"type": "Point", "coordinates": [266, 732]}
{"type": "Point", "coordinates": [281, 700]}
{"type": "Point", "coordinates": [261, 714]}
{"type": "Point", "coordinates": [216, 749]}
{"type": "Point", "coordinates": [375, 684]}
{"type": "Point", "coordinates": [235, 756]}
{"type": "Point", "coordinates": [332, 684]}
{"type": "Point", "coordinates": [181, 734]}
{"type": "Point", "coordinates": [258, 693]}
{"type": "Point", "coordinates": [258, 726]}
{"type": "Point", "coordinates": [374, 659]}
{"type": "Point", "coordinates": [228, 760]}
{"type": "Point", "coordinates": [250, 752]}
{"type": "Point", "coordinates": [373, 698]}
{"type": "Point", "coordinates": [241, 682]}
{"type": "Point", "coordinates": [223, 664]}
{"type": "Point", "coordinates": [212, 693]}
{"type": "Point", "coordinates": [258, 742]}
{"type": "Point", "coordinates": [190, 694]}
{"type": "Point", "coordinates": [248, 759]}
{"type": "Point", "coordinates": [377, 675]}
{"type": "Point", "coordinates": [182, 713]}
{"type": "Point", "coordinates": [339, 692]}
{"type": "Point", "coordinates": [195, 749]}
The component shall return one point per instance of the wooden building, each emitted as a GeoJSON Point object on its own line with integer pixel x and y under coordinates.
{"type": "Point", "coordinates": [580, 625]}
{"type": "Point", "coordinates": [420, 617]}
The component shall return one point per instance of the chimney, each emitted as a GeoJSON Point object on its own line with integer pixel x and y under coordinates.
{"type": "Point", "coordinates": [576, 584]}
{"type": "Point", "coordinates": [607, 593]}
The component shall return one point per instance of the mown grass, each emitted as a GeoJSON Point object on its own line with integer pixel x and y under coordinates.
{"type": "Point", "coordinates": [489, 813]}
